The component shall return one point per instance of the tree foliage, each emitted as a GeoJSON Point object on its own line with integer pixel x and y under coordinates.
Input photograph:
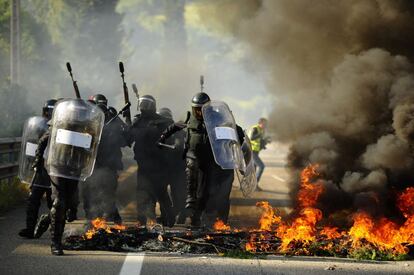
{"type": "Point", "coordinates": [85, 32]}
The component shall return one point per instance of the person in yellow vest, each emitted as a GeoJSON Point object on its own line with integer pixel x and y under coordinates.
{"type": "Point", "coordinates": [259, 142]}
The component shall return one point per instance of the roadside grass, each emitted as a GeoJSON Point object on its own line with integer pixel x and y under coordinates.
{"type": "Point", "coordinates": [12, 194]}
{"type": "Point", "coordinates": [366, 253]}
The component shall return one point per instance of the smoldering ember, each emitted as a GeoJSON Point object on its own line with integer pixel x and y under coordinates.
{"type": "Point", "coordinates": [305, 231]}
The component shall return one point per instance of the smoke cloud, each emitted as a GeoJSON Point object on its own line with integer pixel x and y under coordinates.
{"type": "Point", "coordinates": [342, 76]}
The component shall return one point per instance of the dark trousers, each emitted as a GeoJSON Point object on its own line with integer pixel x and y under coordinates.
{"type": "Point", "coordinates": [33, 205]}
{"type": "Point", "coordinates": [260, 166]}
{"type": "Point", "coordinates": [178, 193]}
{"type": "Point", "coordinates": [99, 195]}
{"type": "Point", "coordinates": [218, 204]}
{"type": "Point", "coordinates": [152, 188]}
{"type": "Point", "coordinates": [65, 192]}
{"type": "Point", "coordinates": [213, 185]}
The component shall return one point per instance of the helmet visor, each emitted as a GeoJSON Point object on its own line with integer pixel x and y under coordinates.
{"type": "Point", "coordinates": [146, 104]}
{"type": "Point", "coordinates": [48, 111]}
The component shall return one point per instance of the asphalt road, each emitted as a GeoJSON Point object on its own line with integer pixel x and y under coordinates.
{"type": "Point", "coordinates": [21, 256]}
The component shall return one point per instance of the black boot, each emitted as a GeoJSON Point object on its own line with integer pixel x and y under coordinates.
{"type": "Point", "coordinates": [57, 232]}
{"type": "Point", "coordinates": [32, 211]}
{"type": "Point", "coordinates": [57, 225]}
{"type": "Point", "coordinates": [118, 220]}
{"type": "Point", "coordinates": [142, 220]}
{"type": "Point", "coordinates": [167, 219]}
{"type": "Point", "coordinates": [71, 215]}
{"type": "Point", "coordinates": [193, 221]}
{"type": "Point", "coordinates": [115, 217]}
{"type": "Point", "coordinates": [181, 218]}
{"type": "Point", "coordinates": [56, 249]}
{"type": "Point", "coordinates": [42, 225]}
{"type": "Point", "coordinates": [26, 233]}
{"type": "Point", "coordinates": [167, 211]}
{"type": "Point", "coordinates": [192, 176]}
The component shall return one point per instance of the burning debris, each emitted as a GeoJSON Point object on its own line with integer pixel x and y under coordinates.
{"type": "Point", "coordinates": [143, 239]}
{"type": "Point", "coordinates": [299, 233]}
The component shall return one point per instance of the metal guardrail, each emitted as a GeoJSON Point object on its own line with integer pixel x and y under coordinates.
{"type": "Point", "coordinates": [9, 158]}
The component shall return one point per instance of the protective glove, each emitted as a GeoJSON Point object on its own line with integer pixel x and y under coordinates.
{"type": "Point", "coordinates": [37, 163]}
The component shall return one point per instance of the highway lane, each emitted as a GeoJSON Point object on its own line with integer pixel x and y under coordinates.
{"type": "Point", "coordinates": [20, 256]}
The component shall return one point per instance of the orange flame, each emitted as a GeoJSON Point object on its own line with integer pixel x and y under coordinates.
{"type": "Point", "coordinates": [303, 228]}
{"type": "Point", "coordinates": [405, 202]}
{"type": "Point", "coordinates": [250, 246]}
{"type": "Point", "coordinates": [382, 233]}
{"type": "Point", "coordinates": [309, 192]}
{"type": "Point", "coordinates": [331, 233]}
{"type": "Point", "coordinates": [219, 225]}
{"type": "Point", "coordinates": [100, 223]}
{"type": "Point", "coordinates": [385, 234]}
{"type": "Point", "coordinates": [268, 217]}
{"type": "Point", "coordinates": [119, 227]}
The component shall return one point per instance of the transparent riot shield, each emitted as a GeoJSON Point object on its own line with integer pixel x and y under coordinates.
{"type": "Point", "coordinates": [76, 130]}
{"type": "Point", "coordinates": [247, 179]}
{"type": "Point", "coordinates": [33, 129]}
{"type": "Point", "coordinates": [221, 129]}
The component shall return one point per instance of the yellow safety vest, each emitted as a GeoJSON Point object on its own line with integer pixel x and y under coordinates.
{"type": "Point", "coordinates": [256, 143]}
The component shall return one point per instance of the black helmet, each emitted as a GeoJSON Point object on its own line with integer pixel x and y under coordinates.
{"type": "Point", "coordinates": [99, 99]}
{"type": "Point", "coordinates": [147, 104]}
{"type": "Point", "coordinates": [200, 99]}
{"type": "Point", "coordinates": [48, 107]}
{"type": "Point", "coordinates": [165, 112]}
{"type": "Point", "coordinates": [197, 102]}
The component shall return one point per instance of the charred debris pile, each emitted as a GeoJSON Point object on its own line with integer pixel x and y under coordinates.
{"type": "Point", "coordinates": [304, 231]}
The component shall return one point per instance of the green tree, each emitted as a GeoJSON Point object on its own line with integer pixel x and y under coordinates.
{"type": "Point", "coordinates": [89, 35]}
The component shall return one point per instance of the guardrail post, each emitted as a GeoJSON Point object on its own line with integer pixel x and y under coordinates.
{"type": "Point", "coordinates": [9, 152]}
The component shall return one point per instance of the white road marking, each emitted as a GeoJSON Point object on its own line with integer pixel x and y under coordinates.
{"type": "Point", "coordinates": [278, 178]}
{"type": "Point", "coordinates": [132, 264]}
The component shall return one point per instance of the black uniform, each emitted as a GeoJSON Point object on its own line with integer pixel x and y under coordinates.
{"type": "Point", "coordinates": [152, 167]}
{"type": "Point", "coordinates": [177, 178]}
{"type": "Point", "coordinates": [40, 186]}
{"type": "Point", "coordinates": [65, 197]}
{"type": "Point", "coordinates": [208, 185]}
{"type": "Point", "coordinates": [99, 189]}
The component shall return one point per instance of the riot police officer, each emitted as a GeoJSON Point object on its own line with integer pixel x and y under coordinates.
{"type": "Point", "coordinates": [165, 112]}
{"type": "Point", "coordinates": [65, 197]}
{"type": "Point", "coordinates": [208, 185]}
{"type": "Point", "coordinates": [176, 170]}
{"type": "Point", "coordinates": [74, 135]}
{"type": "Point", "coordinates": [152, 175]}
{"type": "Point", "coordinates": [99, 189]}
{"type": "Point", "coordinates": [39, 186]}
